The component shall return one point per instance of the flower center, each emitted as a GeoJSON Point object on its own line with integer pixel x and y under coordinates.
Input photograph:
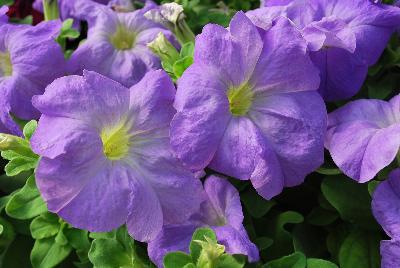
{"type": "Point", "coordinates": [240, 99]}
{"type": "Point", "coordinates": [5, 64]}
{"type": "Point", "coordinates": [123, 38]}
{"type": "Point", "coordinates": [116, 142]}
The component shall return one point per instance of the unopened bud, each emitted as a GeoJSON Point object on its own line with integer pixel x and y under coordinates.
{"type": "Point", "coordinates": [164, 49]}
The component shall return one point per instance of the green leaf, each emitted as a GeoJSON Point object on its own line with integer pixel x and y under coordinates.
{"type": "Point", "coordinates": [229, 261]}
{"type": "Point", "coordinates": [296, 260]}
{"type": "Point", "coordinates": [382, 88]}
{"type": "Point", "coordinates": [351, 200]}
{"type": "Point", "coordinates": [47, 253]}
{"type": "Point", "coordinates": [328, 171]}
{"type": "Point", "coordinates": [181, 65]}
{"type": "Point", "coordinates": [372, 186]}
{"type": "Point", "coordinates": [255, 204]}
{"type": "Point", "coordinates": [336, 238]}
{"type": "Point", "coordinates": [177, 260]}
{"type": "Point", "coordinates": [321, 217]}
{"type": "Point", "coordinates": [44, 226]}
{"type": "Point", "coordinates": [77, 238]}
{"type": "Point", "coordinates": [6, 2]}
{"type": "Point", "coordinates": [360, 249]}
{"type": "Point", "coordinates": [17, 254]}
{"type": "Point", "coordinates": [19, 165]}
{"type": "Point", "coordinates": [318, 263]}
{"type": "Point", "coordinates": [27, 202]}
{"type": "Point", "coordinates": [263, 242]}
{"type": "Point", "coordinates": [200, 234]}
{"type": "Point", "coordinates": [283, 240]}
{"type": "Point", "coordinates": [29, 129]}
{"type": "Point", "coordinates": [108, 253]}
{"type": "Point", "coordinates": [7, 235]}
{"type": "Point", "coordinates": [187, 50]}
{"type": "Point", "coordinates": [309, 239]}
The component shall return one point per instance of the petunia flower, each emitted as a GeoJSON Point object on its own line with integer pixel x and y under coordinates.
{"type": "Point", "coordinates": [117, 46]}
{"type": "Point", "coordinates": [30, 59]}
{"type": "Point", "coordinates": [105, 155]}
{"type": "Point", "coordinates": [364, 136]}
{"type": "Point", "coordinates": [221, 210]}
{"type": "Point", "coordinates": [386, 209]}
{"type": "Point", "coordinates": [344, 37]}
{"type": "Point", "coordinates": [3, 15]}
{"type": "Point", "coordinates": [248, 106]}
{"type": "Point", "coordinates": [390, 252]}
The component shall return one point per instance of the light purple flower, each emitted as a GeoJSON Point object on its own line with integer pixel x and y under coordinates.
{"type": "Point", "coordinates": [117, 46]}
{"type": "Point", "coordinates": [105, 155]}
{"type": "Point", "coordinates": [364, 136]}
{"type": "Point", "coordinates": [386, 204]}
{"type": "Point", "coordinates": [345, 37]}
{"type": "Point", "coordinates": [30, 59]}
{"type": "Point", "coordinates": [220, 211]}
{"type": "Point", "coordinates": [390, 252]}
{"type": "Point", "coordinates": [248, 106]}
{"type": "Point", "coordinates": [386, 209]}
{"type": "Point", "coordinates": [3, 15]}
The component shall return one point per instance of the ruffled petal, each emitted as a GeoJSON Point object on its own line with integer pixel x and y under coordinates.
{"type": "Point", "coordinates": [172, 238]}
{"type": "Point", "coordinates": [151, 101]}
{"type": "Point", "coordinates": [225, 201]}
{"type": "Point", "coordinates": [236, 241]}
{"type": "Point", "coordinates": [386, 204]}
{"type": "Point", "coordinates": [227, 50]}
{"type": "Point", "coordinates": [203, 114]}
{"type": "Point", "coordinates": [294, 125]}
{"type": "Point", "coordinates": [390, 252]}
{"type": "Point", "coordinates": [284, 65]}
{"type": "Point", "coordinates": [145, 218]}
{"type": "Point", "coordinates": [93, 98]}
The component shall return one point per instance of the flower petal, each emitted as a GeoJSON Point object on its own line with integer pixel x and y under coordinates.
{"type": "Point", "coordinates": [237, 242]}
{"type": "Point", "coordinates": [294, 125]}
{"type": "Point", "coordinates": [284, 65]}
{"type": "Point", "coordinates": [92, 98]}
{"type": "Point", "coordinates": [145, 218]}
{"type": "Point", "coordinates": [225, 200]}
{"type": "Point", "coordinates": [390, 252]}
{"type": "Point", "coordinates": [386, 204]}
{"type": "Point", "coordinates": [203, 114]}
{"type": "Point", "coordinates": [172, 238]}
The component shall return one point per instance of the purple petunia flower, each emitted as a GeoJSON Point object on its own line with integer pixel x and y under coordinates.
{"type": "Point", "coordinates": [364, 136]}
{"type": "Point", "coordinates": [30, 59]}
{"type": "Point", "coordinates": [105, 155]}
{"type": "Point", "coordinates": [344, 37]}
{"type": "Point", "coordinates": [3, 15]}
{"type": "Point", "coordinates": [248, 106]}
{"type": "Point", "coordinates": [386, 209]}
{"type": "Point", "coordinates": [117, 46]}
{"type": "Point", "coordinates": [220, 211]}
{"type": "Point", "coordinates": [386, 204]}
{"type": "Point", "coordinates": [390, 252]}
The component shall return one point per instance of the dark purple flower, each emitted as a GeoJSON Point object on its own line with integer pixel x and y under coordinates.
{"type": "Point", "coordinates": [345, 37]}
{"type": "Point", "coordinates": [364, 136]}
{"type": "Point", "coordinates": [30, 59]}
{"type": "Point", "coordinates": [105, 155]}
{"type": "Point", "coordinates": [220, 211]}
{"type": "Point", "coordinates": [248, 106]}
{"type": "Point", "coordinates": [117, 46]}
